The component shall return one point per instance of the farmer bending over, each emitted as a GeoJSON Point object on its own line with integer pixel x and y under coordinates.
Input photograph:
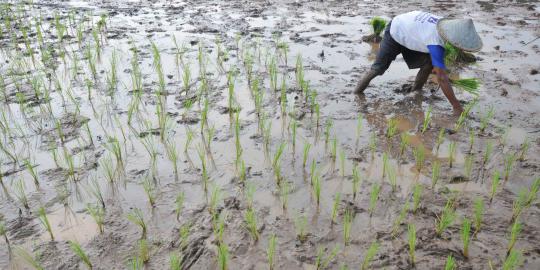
{"type": "Point", "coordinates": [420, 37]}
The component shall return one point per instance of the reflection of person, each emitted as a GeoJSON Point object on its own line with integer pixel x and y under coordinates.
{"type": "Point", "coordinates": [420, 37]}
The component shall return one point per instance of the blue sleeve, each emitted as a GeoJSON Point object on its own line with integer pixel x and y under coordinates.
{"type": "Point", "coordinates": [437, 55]}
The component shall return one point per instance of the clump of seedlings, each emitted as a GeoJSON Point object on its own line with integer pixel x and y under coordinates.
{"type": "Point", "coordinates": [469, 85]}
{"type": "Point", "coordinates": [435, 174]}
{"type": "Point", "coordinates": [450, 263]}
{"type": "Point", "coordinates": [374, 197]}
{"type": "Point", "coordinates": [370, 255]}
{"type": "Point", "coordinates": [446, 218]}
{"type": "Point", "coordinates": [427, 119]}
{"type": "Point", "coordinates": [42, 215]}
{"type": "Point", "coordinates": [98, 214]}
{"type": "Point", "coordinates": [411, 235]}
{"type": "Point", "coordinates": [495, 180]}
{"type": "Point", "coordinates": [300, 223]}
{"type": "Point", "coordinates": [77, 249]}
{"type": "Point", "coordinates": [271, 251]}
{"type": "Point", "coordinates": [478, 214]}
{"type": "Point", "coordinates": [378, 24]}
{"type": "Point", "coordinates": [321, 262]}
{"type": "Point", "coordinates": [417, 196]}
{"type": "Point", "coordinates": [347, 225]}
{"type": "Point", "coordinates": [136, 216]}
{"type": "Point", "coordinates": [466, 236]}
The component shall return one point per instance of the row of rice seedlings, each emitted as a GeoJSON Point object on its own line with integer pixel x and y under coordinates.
{"type": "Point", "coordinates": [300, 224]}
{"type": "Point", "coordinates": [77, 249]}
{"type": "Point", "coordinates": [321, 262]}
{"type": "Point", "coordinates": [42, 216]}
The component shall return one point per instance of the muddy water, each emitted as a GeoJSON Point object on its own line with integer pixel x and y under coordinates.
{"type": "Point", "coordinates": [327, 35]}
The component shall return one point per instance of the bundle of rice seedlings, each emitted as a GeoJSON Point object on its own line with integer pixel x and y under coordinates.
{"type": "Point", "coordinates": [469, 85]}
{"type": "Point", "coordinates": [378, 25]}
{"type": "Point", "coordinates": [453, 55]}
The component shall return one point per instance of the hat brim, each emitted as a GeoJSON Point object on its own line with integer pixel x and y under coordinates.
{"type": "Point", "coordinates": [471, 45]}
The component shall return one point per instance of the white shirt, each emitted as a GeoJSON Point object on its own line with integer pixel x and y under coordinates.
{"type": "Point", "coordinates": [416, 30]}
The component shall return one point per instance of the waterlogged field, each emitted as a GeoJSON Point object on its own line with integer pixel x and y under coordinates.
{"type": "Point", "coordinates": [225, 135]}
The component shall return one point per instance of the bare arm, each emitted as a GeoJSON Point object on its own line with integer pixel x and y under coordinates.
{"type": "Point", "coordinates": [444, 82]}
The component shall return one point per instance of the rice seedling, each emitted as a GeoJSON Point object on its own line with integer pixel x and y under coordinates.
{"type": "Point", "coordinates": [42, 216]}
{"type": "Point", "coordinates": [250, 217]}
{"type": "Point", "coordinates": [513, 260]}
{"type": "Point", "coordinates": [392, 178]}
{"type": "Point", "coordinates": [333, 150]}
{"type": "Point", "coordinates": [347, 226]}
{"type": "Point", "coordinates": [450, 263]}
{"type": "Point", "coordinates": [509, 160]}
{"type": "Point", "coordinates": [524, 148]}
{"type": "Point", "coordinates": [495, 180]}
{"type": "Point", "coordinates": [411, 236]}
{"type": "Point", "coordinates": [112, 77]}
{"type": "Point", "coordinates": [359, 124]}
{"type": "Point", "coordinates": [143, 251]}
{"type": "Point", "coordinates": [427, 119]}
{"type": "Point", "coordinates": [322, 263]}
{"type": "Point", "coordinates": [307, 147]}
{"type": "Point", "coordinates": [204, 170]}
{"type": "Point", "coordinates": [135, 263]}
{"type": "Point", "coordinates": [440, 139]}
{"type": "Point", "coordinates": [373, 144]}
{"type": "Point", "coordinates": [478, 214]}
{"type": "Point", "coordinates": [446, 218]}
{"type": "Point", "coordinates": [189, 139]}
{"type": "Point", "coordinates": [276, 162]}
{"type": "Point", "coordinates": [136, 216]}
{"type": "Point", "coordinates": [515, 230]}
{"type": "Point", "coordinates": [405, 140]}
{"type": "Point", "coordinates": [150, 191]}
{"type": "Point", "coordinates": [370, 255]}
{"type": "Point", "coordinates": [435, 174]}
{"type": "Point", "coordinates": [391, 128]}
{"type": "Point", "coordinates": [385, 164]}
{"type": "Point", "coordinates": [419, 157]}
{"type": "Point", "coordinates": [179, 204]}
{"type": "Point", "coordinates": [77, 249]}
{"type": "Point", "coordinates": [294, 126]}
{"type": "Point", "coordinates": [284, 194]}
{"type": "Point", "coordinates": [374, 197]}
{"type": "Point", "coordinates": [317, 188]}
{"type": "Point", "coordinates": [451, 153]}
{"type": "Point", "coordinates": [469, 85]}
{"type": "Point", "coordinates": [484, 121]}
{"type": "Point", "coordinates": [3, 232]}
{"type": "Point", "coordinates": [327, 129]}
{"type": "Point", "coordinates": [215, 198]}
{"type": "Point", "coordinates": [300, 224]}
{"type": "Point", "coordinates": [487, 152]}
{"type": "Point", "coordinates": [299, 71]}
{"type": "Point", "coordinates": [173, 155]}
{"type": "Point", "coordinates": [271, 251]}
{"type": "Point", "coordinates": [466, 236]}
{"type": "Point", "coordinates": [417, 196]}
{"type": "Point", "coordinates": [32, 171]}
{"type": "Point", "coordinates": [399, 220]}
{"type": "Point", "coordinates": [223, 256]}
{"type": "Point", "coordinates": [356, 181]}
{"type": "Point", "coordinates": [28, 258]}
{"type": "Point", "coordinates": [175, 262]}
{"type": "Point", "coordinates": [472, 135]}
{"type": "Point", "coordinates": [469, 159]}
{"type": "Point", "coordinates": [335, 207]}
{"type": "Point", "coordinates": [20, 193]}
{"type": "Point", "coordinates": [98, 214]}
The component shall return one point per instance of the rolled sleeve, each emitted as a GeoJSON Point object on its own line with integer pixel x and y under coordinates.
{"type": "Point", "coordinates": [437, 55]}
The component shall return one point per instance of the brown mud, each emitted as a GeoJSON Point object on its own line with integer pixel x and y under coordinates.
{"type": "Point", "coordinates": [81, 118]}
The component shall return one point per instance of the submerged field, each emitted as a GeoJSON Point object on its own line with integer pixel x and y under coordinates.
{"type": "Point", "coordinates": [225, 135]}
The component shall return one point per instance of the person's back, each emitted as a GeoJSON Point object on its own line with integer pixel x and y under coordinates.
{"type": "Point", "coordinates": [416, 30]}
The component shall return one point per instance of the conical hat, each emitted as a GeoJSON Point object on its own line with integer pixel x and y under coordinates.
{"type": "Point", "coordinates": [460, 33]}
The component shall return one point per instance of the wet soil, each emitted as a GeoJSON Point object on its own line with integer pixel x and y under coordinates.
{"type": "Point", "coordinates": [76, 118]}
